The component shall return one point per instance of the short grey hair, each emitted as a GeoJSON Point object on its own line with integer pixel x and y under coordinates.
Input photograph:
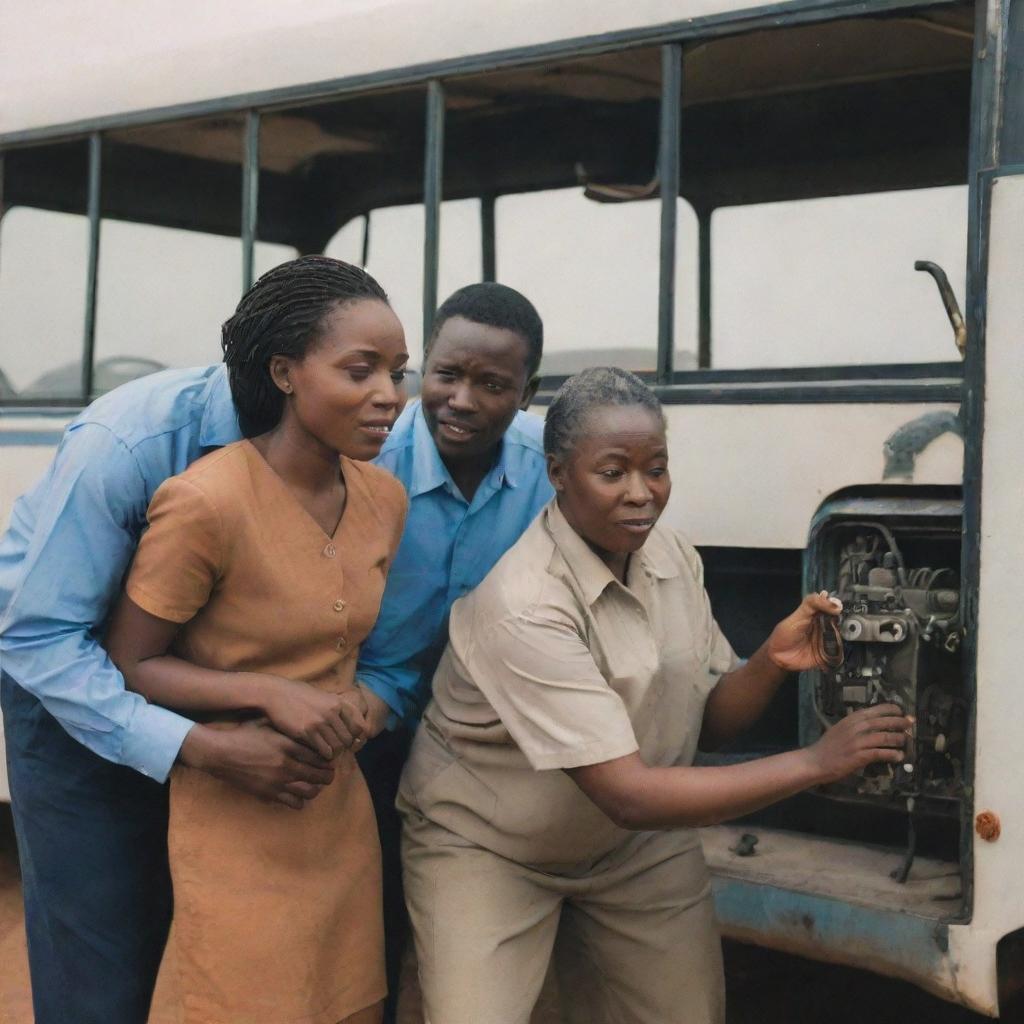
{"type": "Point", "coordinates": [592, 389]}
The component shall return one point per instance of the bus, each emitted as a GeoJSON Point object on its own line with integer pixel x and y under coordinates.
{"type": "Point", "coordinates": [802, 222]}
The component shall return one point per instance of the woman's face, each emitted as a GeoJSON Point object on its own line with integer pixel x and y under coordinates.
{"type": "Point", "coordinates": [347, 391]}
{"type": "Point", "coordinates": [614, 485]}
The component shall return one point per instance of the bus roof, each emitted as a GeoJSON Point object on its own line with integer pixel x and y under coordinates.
{"type": "Point", "coordinates": [66, 63]}
{"type": "Point", "coordinates": [835, 101]}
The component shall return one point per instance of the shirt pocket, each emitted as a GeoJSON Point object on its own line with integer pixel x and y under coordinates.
{"type": "Point", "coordinates": [625, 652]}
{"type": "Point", "coordinates": [684, 682]}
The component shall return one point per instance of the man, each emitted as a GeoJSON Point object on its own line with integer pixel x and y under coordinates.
{"type": "Point", "coordinates": [473, 465]}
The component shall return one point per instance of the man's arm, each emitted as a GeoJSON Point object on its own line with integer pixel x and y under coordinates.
{"type": "Point", "coordinates": [389, 691]}
{"type": "Point", "coordinates": [63, 579]}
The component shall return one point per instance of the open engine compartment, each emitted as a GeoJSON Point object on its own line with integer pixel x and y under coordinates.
{"type": "Point", "coordinates": [893, 558]}
{"type": "Point", "coordinates": [896, 570]}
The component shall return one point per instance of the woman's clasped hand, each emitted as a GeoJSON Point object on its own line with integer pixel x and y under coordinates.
{"type": "Point", "coordinates": [328, 723]}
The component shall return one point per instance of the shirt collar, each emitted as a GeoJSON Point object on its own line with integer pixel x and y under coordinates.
{"type": "Point", "coordinates": [219, 425]}
{"type": "Point", "coordinates": [429, 472]}
{"type": "Point", "coordinates": [592, 575]}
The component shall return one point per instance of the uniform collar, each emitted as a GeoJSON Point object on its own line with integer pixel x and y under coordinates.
{"type": "Point", "coordinates": [590, 572]}
{"type": "Point", "coordinates": [429, 472]}
{"type": "Point", "coordinates": [219, 425]}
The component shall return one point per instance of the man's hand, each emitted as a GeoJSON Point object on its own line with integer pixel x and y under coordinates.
{"type": "Point", "coordinates": [259, 760]}
{"type": "Point", "coordinates": [377, 711]}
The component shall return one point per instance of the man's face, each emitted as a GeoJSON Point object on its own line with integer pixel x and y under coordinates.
{"type": "Point", "coordinates": [474, 381]}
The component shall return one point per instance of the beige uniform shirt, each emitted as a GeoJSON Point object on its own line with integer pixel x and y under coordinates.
{"type": "Point", "coordinates": [552, 663]}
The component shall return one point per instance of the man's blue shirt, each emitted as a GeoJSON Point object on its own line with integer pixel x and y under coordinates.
{"type": "Point", "coordinates": [70, 541]}
{"type": "Point", "coordinates": [448, 547]}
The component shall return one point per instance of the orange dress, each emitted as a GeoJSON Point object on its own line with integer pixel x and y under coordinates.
{"type": "Point", "coordinates": [277, 912]}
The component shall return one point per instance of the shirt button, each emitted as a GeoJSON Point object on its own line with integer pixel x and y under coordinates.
{"type": "Point", "coordinates": [330, 551]}
{"type": "Point", "coordinates": [339, 605]}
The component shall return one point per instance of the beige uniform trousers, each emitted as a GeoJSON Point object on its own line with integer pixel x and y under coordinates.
{"type": "Point", "coordinates": [637, 939]}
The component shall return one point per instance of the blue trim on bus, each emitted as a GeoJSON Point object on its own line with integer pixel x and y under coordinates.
{"type": "Point", "coordinates": [30, 438]}
{"type": "Point", "coordinates": [892, 942]}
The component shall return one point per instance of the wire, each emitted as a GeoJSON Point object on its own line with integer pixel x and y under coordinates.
{"type": "Point", "coordinates": [827, 642]}
{"type": "Point", "coordinates": [902, 873]}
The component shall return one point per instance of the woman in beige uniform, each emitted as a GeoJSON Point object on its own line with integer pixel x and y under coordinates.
{"type": "Point", "coordinates": [551, 787]}
{"type": "Point", "coordinates": [260, 574]}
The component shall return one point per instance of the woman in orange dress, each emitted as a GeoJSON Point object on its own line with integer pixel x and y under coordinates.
{"type": "Point", "coordinates": [260, 574]}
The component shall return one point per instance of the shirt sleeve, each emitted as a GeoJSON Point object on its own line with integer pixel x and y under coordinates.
{"type": "Point", "coordinates": [394, 680]}
{"type": "Point", "coordinates": [179, 557]}
{"type": "Point", "coordinates": [537, 673]}
{"type": "Point", "coordinates": [395, 684]}
{"type": "Point", "coordinates": [381, 667]}
{"type": "Point", "coordinates": [87, 512]}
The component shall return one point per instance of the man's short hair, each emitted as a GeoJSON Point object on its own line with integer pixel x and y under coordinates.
{"type": "Point", "coordinates": [496, 305]}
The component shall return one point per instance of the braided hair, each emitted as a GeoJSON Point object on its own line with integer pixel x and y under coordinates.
{"type": "Point", "coordinates": [283, 313]}
{"type": "Point", "coordinates": [592, 389]}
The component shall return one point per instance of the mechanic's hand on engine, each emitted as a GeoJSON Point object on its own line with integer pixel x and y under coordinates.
{"type": "Point", "coordinates": [795, 643]}
{"type": "Point", "coordinates": [877, 733]}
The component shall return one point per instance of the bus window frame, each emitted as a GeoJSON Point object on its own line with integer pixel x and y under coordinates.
{"type": "Point", "coordinates": [927, 382]}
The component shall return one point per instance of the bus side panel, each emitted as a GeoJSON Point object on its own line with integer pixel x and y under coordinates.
{"type": "Point", "coordinates": [999, 767]}
{"type": "Point", "coordinates": [754, 475]}
{"type": "Point", "coordinates": [810, 925]}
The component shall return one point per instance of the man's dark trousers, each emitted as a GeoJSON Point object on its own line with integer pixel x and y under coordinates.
{"type": "Point", "coordinates": [92, 844]}
{"type": "Point", "coordinates": [381, 761]}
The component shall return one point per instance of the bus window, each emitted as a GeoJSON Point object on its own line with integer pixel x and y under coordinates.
{"type": "Point", "coordinates": [832, 281]}
{"type": "Point", "coordinates": [43, 255]}
{"type": "Point", "coordinates": [396, 258]}
{"type": "Point", "coordinates": [170, 268]}
{"type": "Point", "coordinates": [347, 244]}
{"type": "Point", "coordinates": [561, 146]}
{"type": "Point", "coordinates": [324, 166]}
{"type": "Point", "coordinates": [163, 295]}
{"type": "Point", "coordinates": [592, 270]}
{"type": "Point", "coordinates": [829, 157]}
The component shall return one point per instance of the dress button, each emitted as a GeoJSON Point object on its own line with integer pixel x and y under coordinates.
{"type": "Point", "coordinates": [330, 551]}
{"type": "Point", "coordinates": [339, 605]}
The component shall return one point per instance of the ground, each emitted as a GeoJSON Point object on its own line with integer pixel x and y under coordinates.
{"type": "Point", "coordinates": [763, 987]}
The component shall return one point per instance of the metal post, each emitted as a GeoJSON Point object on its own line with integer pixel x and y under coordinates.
{"type": "Point", "coordinates": [433, 182]}
{"type": "Point", "coordinates": [366, 240]}
{"type": "Point", "coordinates": [668, 178]}
{"type": "Point", "coordinates": [92, 265]}
{"type": "Point", "coordinates": [487, 239]}
{"type": "Point", "coordinates": [704, 284]}
{"type": "Point", "coordinates": [3, 208]}
{"type": "Point", "coordinates": [250, 195]}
